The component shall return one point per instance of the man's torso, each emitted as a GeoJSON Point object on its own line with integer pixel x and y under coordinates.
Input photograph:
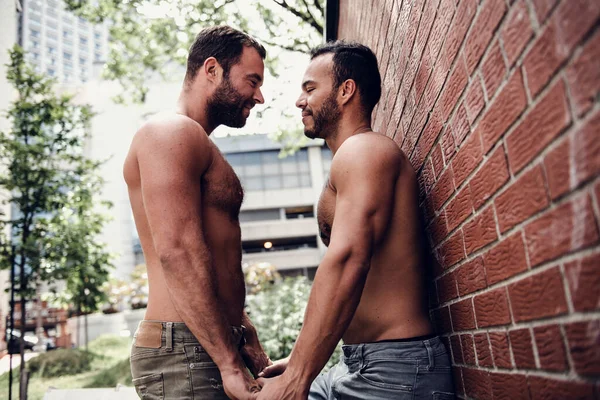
{"type": "Point", "coordinates": [392, 304]}
{"type": "Point", "coordinates": [221, 198]}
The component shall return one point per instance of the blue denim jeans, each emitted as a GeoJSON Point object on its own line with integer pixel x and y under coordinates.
{"type": "Point", "coordinates": [417, 369]}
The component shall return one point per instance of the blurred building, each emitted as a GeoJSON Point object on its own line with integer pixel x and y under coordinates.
{"type": "Point", "coordinates": [59, 43]}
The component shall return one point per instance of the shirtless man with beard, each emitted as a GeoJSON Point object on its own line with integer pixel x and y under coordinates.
{"type": "Point", "coordinates": [196, 341]}
{"type": "Point", "coordinates": [369, 288]}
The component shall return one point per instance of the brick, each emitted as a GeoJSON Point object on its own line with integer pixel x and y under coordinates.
{"type": "Point", "coordinates": [524, 198]}
{"type": "Point", "coordinates": [484, 354]}
{"type": "Point", "coordinates": [583, 76]}
{"type": "Point", "coordinates": [446, 288]}
{"type": "Point", "coordinates": [452, 90]}
{"type": "Point", "coordinates": [505, 109]}
{"type": "Point", "coordinates": [569, 227]}
{"type": "Point", "coordinates": [543, 8]}
{"type": "Point", "coordinates": [471, 277]}
{"type": "Point", "coordinates": [551, 389]}
{"type": "Point", "coordinates": [456, 349]}
{"type": "Point", "coordinates": [427, 178]}
{"type": "Point", "coordinates": [467, 158]}
{"type": "Point", "coordinates": [453, 250]}
{"type": "Point", "coordinates": [440, 27]}
{"type": "Point", "coordinates": [443, 188]}
{"type": "Point", "coordinates": [485, 24]}
{"type": "Point", "coordinates": [458, 381]}
{"type": "Point", "coordinates": [491, 308]}
{"type": "Point", "coordinates": [493, 69]}
{"type": "Point", "coordinates": [490, 178]}
{"type": "Point", "coordinates": [438, 229]}
{"type": "Point", "coordinates": [437, 160]}
{"type": "Point", "coordinates": [465, 12]}
{"type": "Point", "coordinates": [584, 282]}
{"type": "Point", "coordinates": [538, 296]}
{"type": "Point", "coordinates": [584, 346]}
{"type": "Point", "coordinates": [462, 315]}
{"type": "Point", "coordinates": [468, 350]}
{"type": "Point", "coordinates": [459, 208]}
{"type": "Point", "coordinates": [550, 347]}
{"type": "Point", "coordinates": [448, 145]}
{"type": "Point", "coordinates": [428, 137]}
{"type": "Point", "coordinates": [474, 100]}
{"type": "Point", "coordinates": [460, 125]}
{"type": "Point", "coordinates": [516, 31]}
{"type": "Point", "coordinates": [442, 320]}
{"type": "Point", "coordinates": [547, 119]}
{"type": "Point", "coordinates": [509, 386]}
{"type": "Point", "coordinates": [570, 22]}
{"type": "Point", "coordinates": [500, 349]}
{"type": "Point", "coordinates": [477, 383]}
{"type": "Point", "coordinates": [557, 165]}
{"type": "Point", "coordinates": [506, 259]}
{"type": "Point", "coordinates": [586, 150]}
{"type": "Point", "coordinates": [520, 341]}
{"type": "Point", "coordinates": [480, 231]}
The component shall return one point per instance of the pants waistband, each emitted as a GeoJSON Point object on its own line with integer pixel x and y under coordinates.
{"type": "Point", "coordinates": [413, 349]}
{"type": "Point", "coordinates": [178, 332]}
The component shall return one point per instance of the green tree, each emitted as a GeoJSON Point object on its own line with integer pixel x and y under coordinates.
{"type": "Point", "coordinates": [149, 37]}
{"type": "Point", "coordinates": [42, 168]}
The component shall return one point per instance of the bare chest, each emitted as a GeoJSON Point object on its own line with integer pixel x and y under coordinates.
{"type": "Point", "coordinates": [221, 188]}
{"type": "Point", "coordinates": [326, 213]}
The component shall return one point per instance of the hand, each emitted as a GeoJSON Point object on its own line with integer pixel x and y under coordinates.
{"type": "Point", "coordinates": [255, 358]}
{"type": "Point", "coordinates": [281, 388]}
{"type": "Point", "coordinates": [276, 368]}
{"type": "Point", "coordinates": [239, 385]}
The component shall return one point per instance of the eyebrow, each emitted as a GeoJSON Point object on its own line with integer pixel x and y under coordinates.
{"type": "Point", "coordinates": [255, 76]}
{"type": "Point", "coordinates": [306, 83]}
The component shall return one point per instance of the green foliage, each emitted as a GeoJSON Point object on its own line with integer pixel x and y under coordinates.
{"type": "Point", "coordinates": [119, 373]}
{"type": "Point", "coordinates": [149, 37]}
{"type": "Point", "coordinates": [61, 362]}
{"type": "Point", "coordinates": [278, 312]}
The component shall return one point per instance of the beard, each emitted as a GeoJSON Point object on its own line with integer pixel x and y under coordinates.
{"type": "Point", "coordinates": [325, 118]}
{"type": "Point", "coordinates": [227, 106]}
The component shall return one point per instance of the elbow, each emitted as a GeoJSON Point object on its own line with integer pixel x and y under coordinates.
{"type": "Point", "coordinates": [353, 258]}
{"type": "Point", "coordinates": [171, 255]}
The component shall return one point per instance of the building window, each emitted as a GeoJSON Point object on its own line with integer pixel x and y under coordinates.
{"type": "Point", "coordinates": [67, 56]}
{"type": "Point", "coordinates": [269, 214]}
{"type": "Point", "coordinates": [82, 60]}
{"type": "Point", "coordinates": [35, 33]}
{"type": "Point", "coordinates": [51, 71]}
{"type": "Point", "coordinates": [83, 41]}
{"type": "Point", "coordinates": [264, 170]}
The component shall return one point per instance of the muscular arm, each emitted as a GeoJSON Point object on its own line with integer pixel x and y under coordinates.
{"type": "Point", "coordinates": [365, 186]}
{"type": "Point", "coordinates": [171, 165]}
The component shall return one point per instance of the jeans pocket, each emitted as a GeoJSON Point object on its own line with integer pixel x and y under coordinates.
{"type": "Point", "coordinates": [150, 387]}
{"type": "Point", "coordinates": [443, 396]}
{"type": "Point", "coordinates": [387, 374]}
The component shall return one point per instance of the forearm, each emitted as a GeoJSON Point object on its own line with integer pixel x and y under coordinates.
{"type": "Point", "coordinates": [192, 286]}
{"type": "Point", "coordinates": [332, 303]}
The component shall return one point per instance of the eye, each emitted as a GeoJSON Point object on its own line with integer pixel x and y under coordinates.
{"type": "Point", "coordinates": [309, 90]}
{"type": "Point", "coordinates": [253, 83]}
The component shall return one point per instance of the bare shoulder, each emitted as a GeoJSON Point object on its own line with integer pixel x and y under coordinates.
{"type": "Point", "coordinates": [368, 151]}
{"type": "Point", "coordinates": [173, 136]}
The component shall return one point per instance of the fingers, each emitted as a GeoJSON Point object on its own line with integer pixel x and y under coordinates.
{"type": "Point", "coordinates": [272, 370]}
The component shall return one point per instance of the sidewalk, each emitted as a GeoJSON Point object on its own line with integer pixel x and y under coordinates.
{"type": "Point", "coordinates": [5, 361]}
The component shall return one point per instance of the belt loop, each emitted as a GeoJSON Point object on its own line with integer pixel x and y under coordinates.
{"type": "Point", "coordinates": [169, 337]}
{"type": "Point", "coordinates": [430, 355]}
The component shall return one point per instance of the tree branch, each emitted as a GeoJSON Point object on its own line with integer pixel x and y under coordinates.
{"type": "Point", "coordinates": [309, 19]}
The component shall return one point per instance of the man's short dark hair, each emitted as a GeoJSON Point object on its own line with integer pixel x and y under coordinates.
{"type": "Point", "coordinates": [223, 43]}
{"type": "Point", "coordinates": [354, 61]}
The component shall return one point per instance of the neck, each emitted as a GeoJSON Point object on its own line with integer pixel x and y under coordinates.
{"type": "Point", "coordinates": [345, 129]}
{"type": "Point", "coordinates": [198, 112]}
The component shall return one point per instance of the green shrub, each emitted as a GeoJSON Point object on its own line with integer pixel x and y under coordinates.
{"type": "Point", "coordinates": [277, 312]}
{"type": "Point", "coordinates": [61, 362]}
{"type": "Point", "coordinates": [119, 373]}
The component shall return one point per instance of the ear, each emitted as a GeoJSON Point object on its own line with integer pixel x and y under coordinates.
{"type": "Point", "coordinates": [347, 90]}
{"type": "Point", "coordinates": [212, 69]}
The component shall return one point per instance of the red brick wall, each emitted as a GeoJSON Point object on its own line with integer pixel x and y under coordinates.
{"type": "Point", "coordinates": [497, 104]}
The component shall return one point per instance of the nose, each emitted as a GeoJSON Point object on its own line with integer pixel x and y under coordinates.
{"type": "Point", "coordinates": [258, 97]}
{"type": "Point", "coordinates": [301, 102]}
